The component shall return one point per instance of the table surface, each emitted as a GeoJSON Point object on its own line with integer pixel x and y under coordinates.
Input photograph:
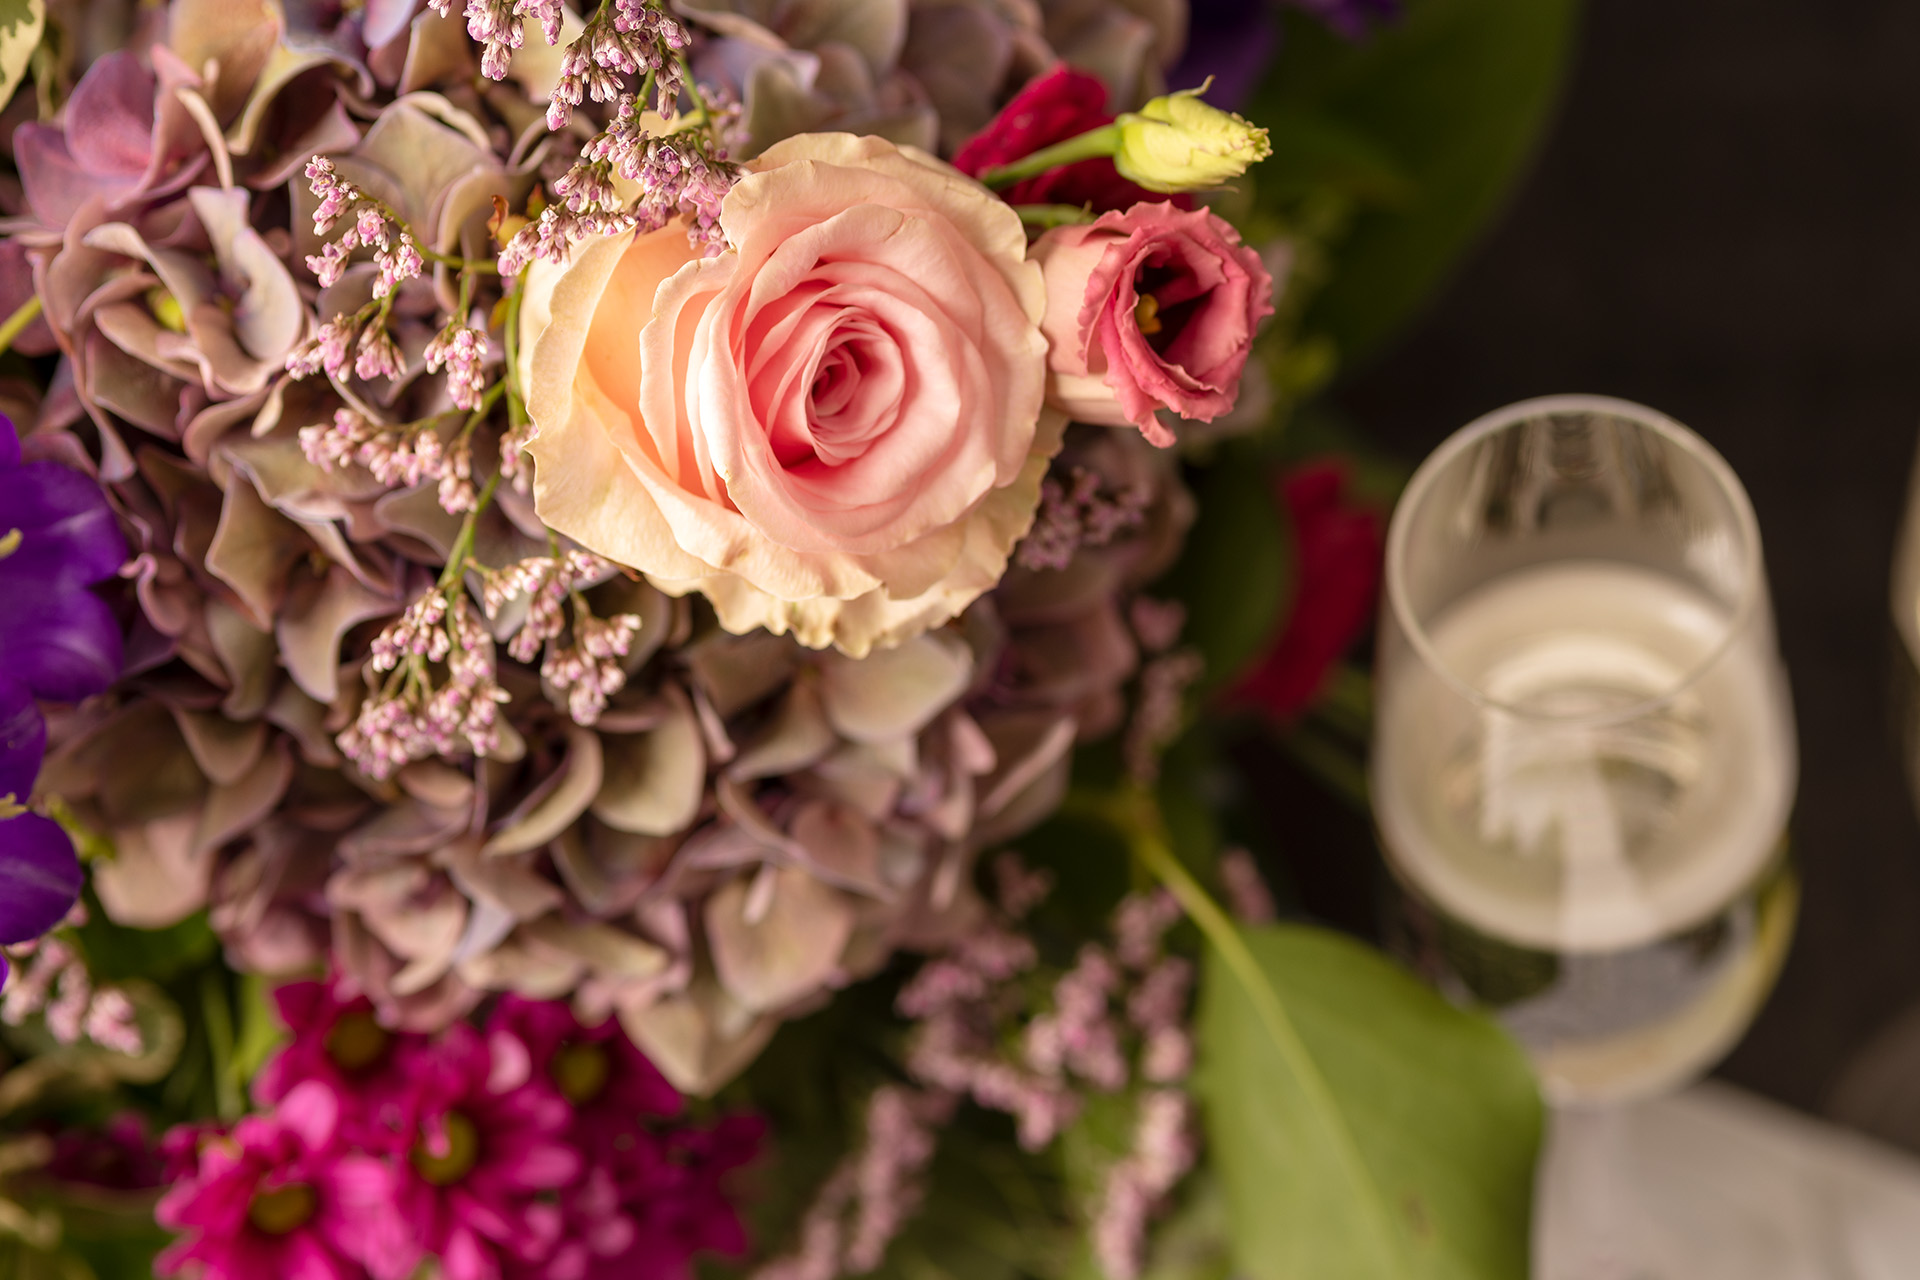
{"type": "Point", "coordinates": [1718, 1184]}
{"type": "Point", "coordinates": [1725, 224]}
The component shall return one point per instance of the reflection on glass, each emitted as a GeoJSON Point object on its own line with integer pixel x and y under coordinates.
{"type": "Point", "coordinates": [1584, 755]}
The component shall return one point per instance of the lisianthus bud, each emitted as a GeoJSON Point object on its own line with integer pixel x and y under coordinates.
{"type": "Point", "coordinates": [1179, 143]}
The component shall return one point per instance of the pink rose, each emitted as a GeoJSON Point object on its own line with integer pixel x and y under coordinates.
{"type": "Point", "coordinates": [834, 428]}
{"type": "Point", "coordinates": [1150, 309]}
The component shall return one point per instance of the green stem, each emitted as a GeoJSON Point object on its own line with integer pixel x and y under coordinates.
{"type": "Point", "coordinates": [1053, 215]}
{"type": "Point", "coordinates": [463, 545]}
{"type": "Point", "coordinates": [1090, 145]}
{"type": "Point", "coordinates": [1134, 814]}
{"type": "Point", "coordinates": [459, 264]}
{"type": "Point", "coordinates": [26, 314]}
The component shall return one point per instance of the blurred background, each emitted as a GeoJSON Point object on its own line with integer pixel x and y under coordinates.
{"type": "Point", "coordinates": [1724, 223]}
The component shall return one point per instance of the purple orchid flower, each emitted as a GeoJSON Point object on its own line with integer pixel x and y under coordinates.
{"type": "Point", "coordinates": [58, 641]}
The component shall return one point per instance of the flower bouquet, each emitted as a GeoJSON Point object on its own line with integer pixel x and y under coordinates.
{"type": "Point", "coordinates": [623, 629]}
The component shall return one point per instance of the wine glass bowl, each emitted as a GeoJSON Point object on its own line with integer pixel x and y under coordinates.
{"type": "Point", "coordinates": [1584, 757]}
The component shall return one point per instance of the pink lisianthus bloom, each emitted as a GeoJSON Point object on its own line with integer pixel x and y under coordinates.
{"type": "Point", "coordinates": [1149, 309]}
{"type": "Point", "coordinates": [482, 1146]}
{"type": "Point", "coordinates": [280, 1198]}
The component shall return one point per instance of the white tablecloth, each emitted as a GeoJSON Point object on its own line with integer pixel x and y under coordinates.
{"type": "Point", "coordinates": [1716, 1184]}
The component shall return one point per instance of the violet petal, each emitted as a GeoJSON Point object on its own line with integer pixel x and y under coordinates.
{"type": "Point", "coordinates": [69, 538]}
{"type": "Point", "coordinates": [39, 876]}
{"type": "Point", "coordinates": [64, 645]}
{"type": "Point", "coordinates": [23, 739]}
{"type": "Point", "coordinates": [39, 872]}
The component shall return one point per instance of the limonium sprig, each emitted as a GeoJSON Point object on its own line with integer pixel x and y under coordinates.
{"type": "Point", "coordinates": [1114, 1023]}
{"type": "Point", "coordinates": [586, 670]}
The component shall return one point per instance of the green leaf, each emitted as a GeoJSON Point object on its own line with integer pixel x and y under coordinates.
{"type": "Point", "coordinates": [1361, 1126]}
{"type": "Point", "coordinates": [1235, 575]}
{"type": "Point", "coordinates": [21, 23]}
{"type": "Point", "coordinates": [260, 1032]}
{"type": "Point", "coordinates": [115, 952]}
{"type": "Point", "coordinates": [1454, 98]}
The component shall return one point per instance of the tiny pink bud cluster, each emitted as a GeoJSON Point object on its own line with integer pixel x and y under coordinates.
{"type": "Point", "coordinates": [878, 1185]}
{"type": "Point", "coordinates": [1116, 1002]}
{"type": "Point", "coordinates": [1159, 712]}
{"type": "Point", "coordinates": [634, 39]}
{"type": "Point", "coordinates": [1078, 514]}
{"type": "Point", "coordinates": [56, 983]}
{"type": "Point", "coordinates": [675, 176]}
{"type": "Point", "coordinates": [373, 226]}
{"type": "Point", "coordinates": [348, 346]}
{"type": "Point", "coordinates": [588, 670]}
{"type": "Point", "coordinates": [400, 457]}
{"type": "Point", "coordinates": [419, 720]}
{"type": "Point", "coordinates": [462, 351]}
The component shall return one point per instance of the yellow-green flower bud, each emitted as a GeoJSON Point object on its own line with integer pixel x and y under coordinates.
{"type": "Point", "coordinates": [1179, 143]}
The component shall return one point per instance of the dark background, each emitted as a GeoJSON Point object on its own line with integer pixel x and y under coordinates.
{"type": "Point", "coordinates": [1724, 223]}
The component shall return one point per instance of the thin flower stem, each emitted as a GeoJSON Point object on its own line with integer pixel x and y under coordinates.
{"type": "Point", "coordinates": [1135, 816]}
{"type": "Point", "coordinates": [463, 545]}
{"type": "Point", "coordinates": [15, 324]}
{"type": "Point", "coordinates": [1091, 145]}
{"type": "Point", "coordinates": [459, 264]}
{"type": "Point", "coordinates": [516, 394]}
{"type": "Point", "coordinates": [1054, 215]}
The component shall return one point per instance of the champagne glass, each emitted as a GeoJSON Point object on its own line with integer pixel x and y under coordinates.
{"type": "Point", "coordinates": [1584, 757]}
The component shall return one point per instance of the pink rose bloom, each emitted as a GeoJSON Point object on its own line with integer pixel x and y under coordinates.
{"type": "Point", "coordinates": [279, 1198]}
{"type": "Point", "coordinates": [1153, 308]}
{"type": "Point", "coordinates": [834, 428]}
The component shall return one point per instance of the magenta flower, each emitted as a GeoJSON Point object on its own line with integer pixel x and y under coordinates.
{"type": "Point", "coordinates": [337, 1041]}
{"type": "Point", "coordinates": [655, 1203]}
{"type": "Point", "coordinates": [609, 1082]}
{"type": "Point", "coordinates": [651, 1198]}
{"type": "Point", "coordinates": [483, 1146]}
{"type": "Point", "coordinates": [279, 1198]}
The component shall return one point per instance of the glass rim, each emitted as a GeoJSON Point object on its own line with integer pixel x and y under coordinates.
{"type": "Point", "coordinates": [1689, 442]}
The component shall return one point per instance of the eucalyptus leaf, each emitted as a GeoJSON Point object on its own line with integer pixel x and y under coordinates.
{"type": "Point", "coordinates": [1452, 98]}
{"type": "Point", "coordinates": [1361, 1126]}
{"type": "Point", "coordinates": [21, 25]}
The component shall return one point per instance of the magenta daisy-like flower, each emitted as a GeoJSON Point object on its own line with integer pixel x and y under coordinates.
{"type": "Point", "coordinates": [279, 1198]}
{"type": "Point", "coordinates": [482, 1147]}
{"type": "Point", "coordinates": [610, 1083]}
{"type": "Point", "coordinates": [337, 1041]}
{"type": "Point", "coordinates": [651, 1197]}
